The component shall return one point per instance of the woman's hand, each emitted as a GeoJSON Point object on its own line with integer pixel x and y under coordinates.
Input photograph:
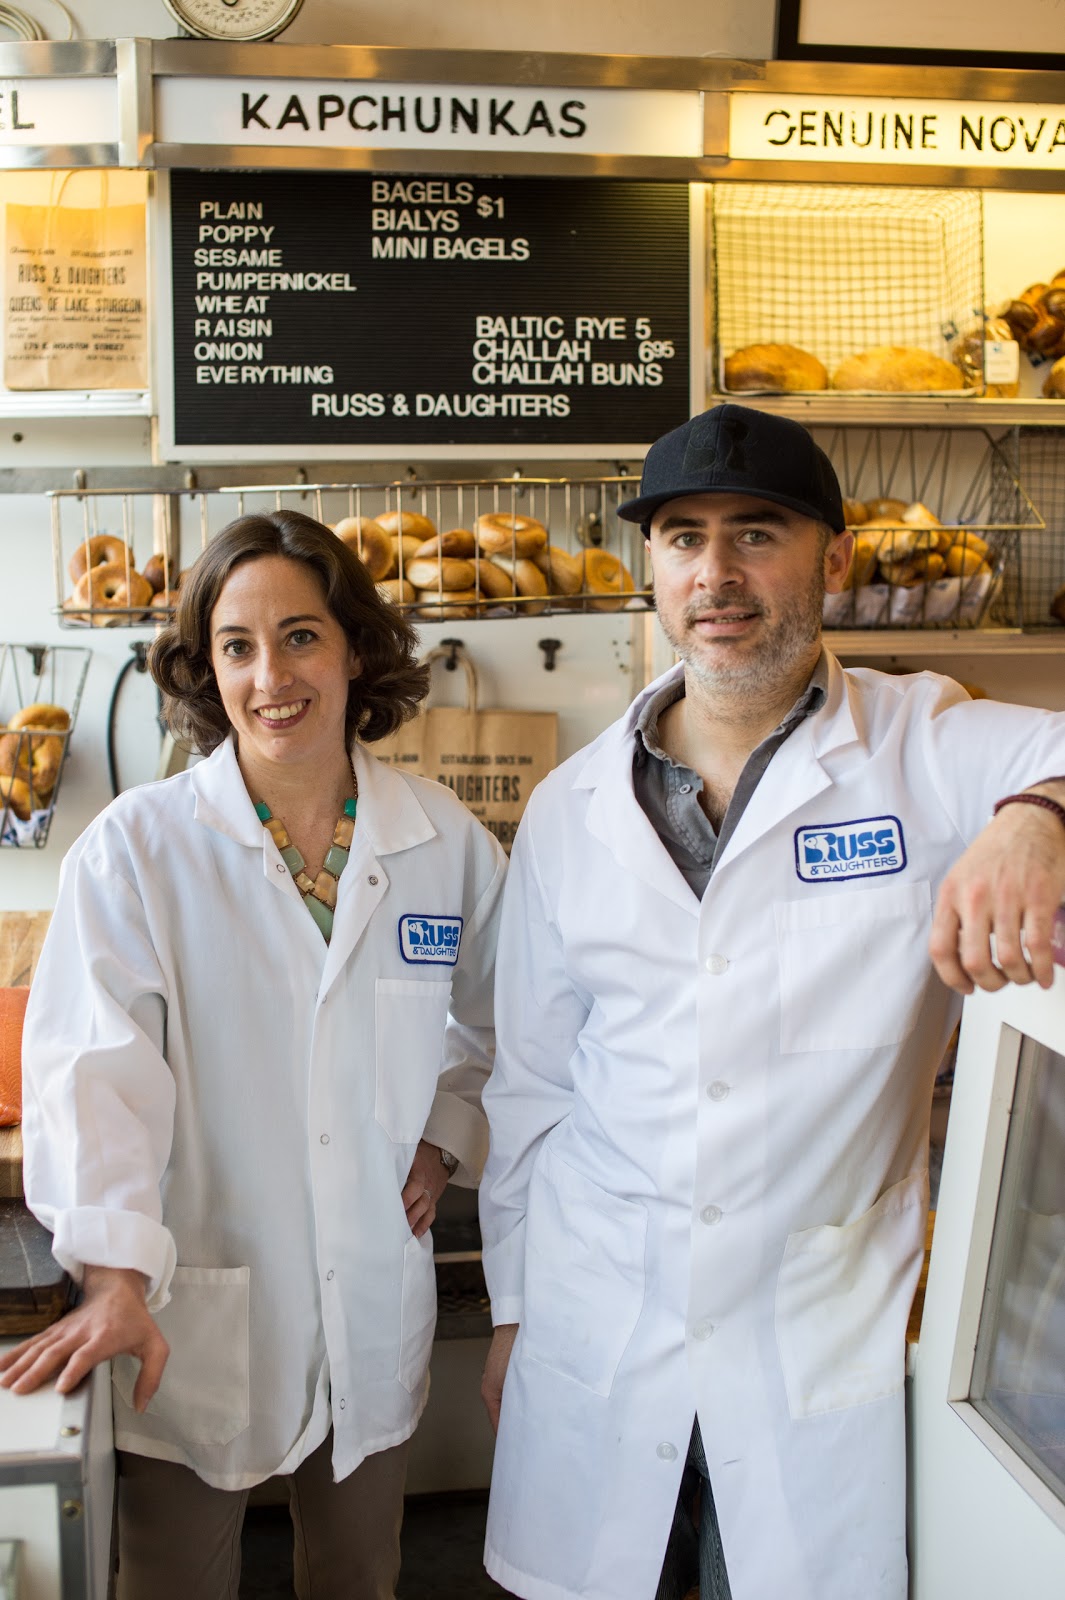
{"type": "Point", "coordinates": [112, 1319]}
{"type": "Point", "coordinates": [426, 1182]}
{"type": "Point", "coordinates": [495, 1370]}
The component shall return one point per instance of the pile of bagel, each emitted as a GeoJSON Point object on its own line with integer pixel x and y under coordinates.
{"type": "Point", "coordinates": [31, 753]}
{"type": "Point", "coordinates": [905, 545]}
{"type": "Point", "coordinates": [502, 560]}
{"type": "Point", "coordinates": [1037, 321]}
{"type": "Point", "coordinates": [109, 591]}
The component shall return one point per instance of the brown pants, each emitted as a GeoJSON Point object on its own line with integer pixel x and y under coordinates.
{"type": "Point", "coordinates": [179, 1539]}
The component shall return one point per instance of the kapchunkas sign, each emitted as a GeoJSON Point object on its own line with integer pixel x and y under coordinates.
{"type": "Point", "coordinates": [309, 115]}
{"type": "Point", "coordinates": [931, 133]}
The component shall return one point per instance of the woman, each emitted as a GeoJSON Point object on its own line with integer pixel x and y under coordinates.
{"type": "Point", "coordinates": [254, 1053]}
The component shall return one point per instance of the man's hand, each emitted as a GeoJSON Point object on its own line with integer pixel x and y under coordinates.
{"type": "Point", "coordinates": [111, 1319]}
{"type": "Point", "coordinates": [426, 1182]}
{"type": "Point", "coordinates": [495, 1370]}
{"type": "Point", "coordinates": [1008, 884]}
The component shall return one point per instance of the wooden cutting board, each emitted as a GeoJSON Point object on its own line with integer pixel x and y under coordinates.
{"type": "Point", "coordinates": [21, 937]}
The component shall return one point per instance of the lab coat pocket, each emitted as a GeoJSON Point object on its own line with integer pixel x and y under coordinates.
{"type": "Point", "coordinates": [853, 966]}
{"type": "Point", "coordinates": [843, 1300]}
{"type": "Point", "coordinates": [418, 1317]}
{"type": "Point", "coordinates": [203, 1396]}
{"type": "Point", "coordinates": [410, 1018]}
{"type": "Point", "coordinates": [584, 1274]}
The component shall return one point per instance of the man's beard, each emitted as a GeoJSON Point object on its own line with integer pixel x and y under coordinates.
{"type": "Point", "coordinates": [786, 643]}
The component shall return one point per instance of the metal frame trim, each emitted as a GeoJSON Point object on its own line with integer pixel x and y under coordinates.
{"type": "Point", "coordinates": [489, 163]}
{"type": "Point", "coordinates": [65, 58]}
{"type": "Point", "coordinates": [136, 101]}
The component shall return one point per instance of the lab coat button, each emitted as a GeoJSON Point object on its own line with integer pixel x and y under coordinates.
{"type": "Point", "coordinates": [667, 1452]}
{"type": "Point", "coordinates": [710, 1215]}
{"type": "Point", "coordinates": [685, 788]}
{"type": "Point", "coordinates": [703, 1329]}
{"type": "Point", "coordinates": [343, 1403]}
{"type": "Point", "coordinates": [329, 1276]}
{"type": "Point", "coordinates": [372, 880]}
{"type": "Point", "coordinates": [717, 964]}
{"type": "Point", "coordinates": [325, 1138]}
{"type": "Point", "coordinates": [718, 1090]}
{"type": "Point", "coordinates": [280, 867]}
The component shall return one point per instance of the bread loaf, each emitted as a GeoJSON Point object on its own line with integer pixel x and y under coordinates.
{"type": "Point", "coordinates": [895, 369]}
{"type": "Point", "coordinates": [774, 366]}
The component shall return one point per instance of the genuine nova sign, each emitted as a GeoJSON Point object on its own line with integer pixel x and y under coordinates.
{"type": "Point", "coordinates": [931, 133]}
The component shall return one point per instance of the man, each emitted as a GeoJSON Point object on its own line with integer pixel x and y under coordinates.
{"type": "Point", "coordinates": [719, 1024]}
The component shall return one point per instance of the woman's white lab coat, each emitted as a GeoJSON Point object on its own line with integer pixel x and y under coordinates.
{"type": "Point", "coordinates": [220, 1099]}
{"type": "Point", "coordinates": [707, 1186]}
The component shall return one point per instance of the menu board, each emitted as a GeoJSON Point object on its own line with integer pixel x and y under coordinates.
{"type": "Point", "coordinates": [352, 309]}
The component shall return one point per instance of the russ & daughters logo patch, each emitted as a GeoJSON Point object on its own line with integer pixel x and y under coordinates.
{"type": "Point", "coordinates": [430, 941]}
{"type": "Point", "coordinates": [865, 848]}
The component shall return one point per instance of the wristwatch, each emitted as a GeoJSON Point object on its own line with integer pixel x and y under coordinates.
{"type": "Point", "coordinates": [450, 1162]}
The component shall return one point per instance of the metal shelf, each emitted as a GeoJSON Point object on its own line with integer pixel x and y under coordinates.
{"type": "Point", "coordinates": [945, 642]}
{"type": "Point", "coordinates": [911, 411]}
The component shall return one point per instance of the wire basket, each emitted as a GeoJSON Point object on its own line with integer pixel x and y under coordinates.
{"type": "Point", "coordinates": [904, 574]}
{"type": "Point", "coordinates": [837, 270]}
{"type": "Point", "coordinates": [556, 544]}
{"type": "Point", "coordinates": [32, 761]}
{"type": "Point", "coordinates": [1041, 458]}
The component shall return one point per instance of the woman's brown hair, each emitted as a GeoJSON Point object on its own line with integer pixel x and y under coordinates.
{"type": "Point", "coordinates": [384, 695]}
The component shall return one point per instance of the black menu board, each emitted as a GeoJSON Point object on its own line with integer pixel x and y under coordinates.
{"type": "Point", "coordinates": [314, 308]}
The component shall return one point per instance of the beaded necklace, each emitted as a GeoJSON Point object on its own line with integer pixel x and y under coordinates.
{"type": "Point", "coordinates": [320, 893]}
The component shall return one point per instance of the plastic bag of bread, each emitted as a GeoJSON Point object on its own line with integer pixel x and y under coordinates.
{"type": "Point", "coordinates": [896, 369]}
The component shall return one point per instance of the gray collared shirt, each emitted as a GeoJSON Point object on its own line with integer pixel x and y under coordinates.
{"type": "Point", "coordinates": [669, 793]}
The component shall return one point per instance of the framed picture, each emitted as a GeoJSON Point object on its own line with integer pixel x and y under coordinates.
{"type": "Point", "coordinates": [953, 33]}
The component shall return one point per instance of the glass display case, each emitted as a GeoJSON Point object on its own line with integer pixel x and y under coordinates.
{"type": "Point", "coordinates": [987, 1397]}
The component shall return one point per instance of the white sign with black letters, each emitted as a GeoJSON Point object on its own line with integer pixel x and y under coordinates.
{"type": "Point", "coordinates": [306, 114]}
{"type": "Point", "coordinates": [930, 133]}
{"type": "Point", "coordinates": [58, 111]}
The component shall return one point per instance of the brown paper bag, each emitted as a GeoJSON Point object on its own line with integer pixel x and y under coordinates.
{"type": "Point", "coordinates": [491, 759]}
{"type": "Point", "coordinates": [75, 295]}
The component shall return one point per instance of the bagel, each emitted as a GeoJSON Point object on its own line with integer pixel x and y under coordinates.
{"type": "Point", "coordinates": [921, 567]}
{"type": "Point", "coordinates": [863, 560]}
{"type": "Point", "coordinates": [166, 600]}
{"type": "Point", "coordinates": [892, 509]}
{"type": "Point", "coordinates": [440, 573]}
{"type": "Point", "coordinates": [506, 533]}
{"type": "Point", "coordinates": [14, 755]}
{"type": "Point", "coordinates": [450, 604]}
{"type": "Point", "coordinates": [529, 582]}
{"type": "Point", "coordinates": [854, 513]}
{"type": "Point", "coordinates": [102, 550]}
{"type": "Point", "coordinates": [456, 542]}
{"type": "Point", "coordinates": [492, 581]}
{"type": "Point", "coordinates": [110, 588]}
{"type": "Point", "coordinates": [973, 543]}
{"type": "Point", "coordinates": [603, 574]}
{"type": "Point", "coordinates": [962, 563]}
{"type": "Point", "coordinates": [398, 591]}
{"type": "Point", "coordinates": [15, 797]}
{"type": "Point", "coordinates": [407, 522]}
{"type": "Point", "coordinates": [370, 543]}
{"type": "Point", "coordinates": [46, 757]}
{"type": "Point", "coordinates": [157, 570]}
{"type": "Point", "coordinates": [405, 549]}
{"type": "Point", "coordinates": [41, 715]}
{"type": "Point", "coordinates": [563, 572]}
{"type": "Point", "coordinates": [896, 541]}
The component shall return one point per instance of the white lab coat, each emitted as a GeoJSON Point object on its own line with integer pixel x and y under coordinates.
{"type": "Point", "coordinates": [217, 1097]}
{"type": "Point", "coordinates": [707, 1188]}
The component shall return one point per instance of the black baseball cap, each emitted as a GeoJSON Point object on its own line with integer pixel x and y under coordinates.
{"type": "Point", "coordinates": [737, 450]}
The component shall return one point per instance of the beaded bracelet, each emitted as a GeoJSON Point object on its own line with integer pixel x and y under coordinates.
{"type": "Point", "coordinates": [1043, 800]}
